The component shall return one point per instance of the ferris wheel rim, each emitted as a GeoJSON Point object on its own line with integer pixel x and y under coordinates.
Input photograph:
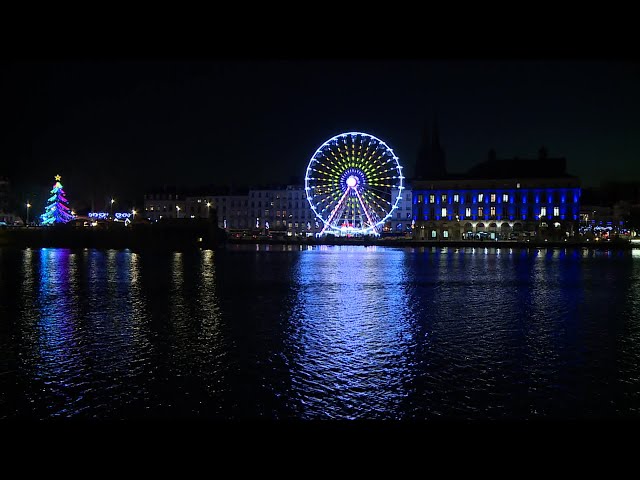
{"type": "Point", "coordinates": [372, 227]}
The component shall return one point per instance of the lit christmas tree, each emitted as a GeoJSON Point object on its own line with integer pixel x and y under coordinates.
{"type": "Point", "coordinates": [56, 210]}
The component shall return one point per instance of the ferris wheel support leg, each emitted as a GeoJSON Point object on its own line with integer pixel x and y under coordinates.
{"type": "Point", "coordinates": [335, 210]}
{"type": "Point", "coordinates": [365, 209]}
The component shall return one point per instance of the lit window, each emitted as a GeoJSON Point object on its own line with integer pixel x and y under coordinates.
{"type": "Point", "coordinates": [456, 198]}
{"type": "Point", "coordinates": [543, 211]}
{"type": "Point", "coordinates": [432, 199]}
{"type": "Point", "coordinates": [467, 212]}
{"type": "Point", "coordinates": [556, 211]}
{"type": "Point", "coordinates": [444, 198]}
{"type": "Point", "coordinates": [505, 197]}
{"type": "Point", "coordinates": [433, 234]}
{"type": "Point", "coordinates": [492, 211]}
{"type": "Point", "coordinates": [480, 211]}
{"type": "Point", "coordinates": [493, 198]}
{"type": "Point", "coordinates": [445, 234]}
{"type": "Point", "coordinates": [480, 197]}
{"type": "Point", "coordinates": [420, 198]}
{"type": "Point", "coordinates": [517, 185]}
{"type": "Point", "coordinates": [444, 212]}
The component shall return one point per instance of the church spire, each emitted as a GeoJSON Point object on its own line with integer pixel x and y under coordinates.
{"type": "Point", "coordinates": [422, 159]}
{"type": "Point", "coordinates": [431, 161]}
{"type": "Point", "coordinates": [436, 137]}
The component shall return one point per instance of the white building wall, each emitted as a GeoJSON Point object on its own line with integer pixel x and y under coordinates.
{"type": "Point", "coordinates": [159, 206]}
{"type": "Point", "coordinates": [401, 218]}
{"type": "Point", "coordinates": [232, 210]}
{"type": "Point", "coordinates": [284, 210]}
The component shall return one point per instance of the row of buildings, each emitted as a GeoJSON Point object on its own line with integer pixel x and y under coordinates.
{"type": "Point", "coordinates": [498, 198]}
{"type": "Point", "coordinates": [279, 210]}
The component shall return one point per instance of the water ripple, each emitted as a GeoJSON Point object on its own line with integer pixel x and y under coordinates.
{"type": "Point", "coordinates": [320, 333]}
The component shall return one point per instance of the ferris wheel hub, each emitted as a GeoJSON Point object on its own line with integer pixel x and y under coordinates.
{"type": "Point", "coordinates": [352, 181]}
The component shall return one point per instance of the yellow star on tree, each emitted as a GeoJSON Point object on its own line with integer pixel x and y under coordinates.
{"type": "Point", "coordinates": [58, 178]}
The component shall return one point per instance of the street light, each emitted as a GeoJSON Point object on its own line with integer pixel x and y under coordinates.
{"type": "Point", "coordinates": [133, 212]}
{"type": "Point", "coordinates": [178, 211]}
{"type": "Point", "coordinates": [208, 209]}
{"type": "Point", "coordinates": [28, 207]}
{"type": "Point", "coordinates": [112, 202]}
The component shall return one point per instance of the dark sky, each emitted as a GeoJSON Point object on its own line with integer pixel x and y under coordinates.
{"type": "Point", "coordinates": [118, 127]}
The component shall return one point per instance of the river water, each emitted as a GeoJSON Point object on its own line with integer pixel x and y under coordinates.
{"type": "Point", "coordinates": [323, 332]}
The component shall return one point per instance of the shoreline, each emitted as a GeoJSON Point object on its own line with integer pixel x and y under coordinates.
{"type": "Point", "coordinates": [599, 245]}
{"type": "Point", "coordinates": [171, 246]}
{"type": "Point", "coordinates": [200, 235]}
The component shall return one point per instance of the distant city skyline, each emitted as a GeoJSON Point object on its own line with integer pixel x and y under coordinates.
{"type": "Point", "coordinates": [119, 128]}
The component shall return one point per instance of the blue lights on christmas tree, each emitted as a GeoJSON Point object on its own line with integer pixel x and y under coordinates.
{"type": "Point", "coordinates": [56, 210]}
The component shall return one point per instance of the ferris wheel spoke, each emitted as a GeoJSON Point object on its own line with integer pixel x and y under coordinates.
{"type": "Point", "coordinates": [374, 201]}
{"type": "Point", "coordinates": [323, 198]}
{"type": "Point", "coordinates": [388, 172]}
{"type": "Point", "coordinates": [378, 198]}
{"type": "Point", "coordinates": [384, 191]}
{"type": "Point", "coordinates": [381, 202]}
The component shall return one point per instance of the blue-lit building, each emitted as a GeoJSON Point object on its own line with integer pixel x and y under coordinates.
{"type": "Point", "coordinates": [497, 199]}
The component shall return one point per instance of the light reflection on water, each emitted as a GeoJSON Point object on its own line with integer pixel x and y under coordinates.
{"type": "Point", "coordinates": [351, 315]}
{"type": "Point", "coordinates": [345, 332]}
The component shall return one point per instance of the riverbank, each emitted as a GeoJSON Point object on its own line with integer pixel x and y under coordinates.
{"type": "Point", "coordinates": [201, 234]}
{"type": "Point", "coordinates": [167, 235]}
{"type": "Point", "coordinates": [393, 242]}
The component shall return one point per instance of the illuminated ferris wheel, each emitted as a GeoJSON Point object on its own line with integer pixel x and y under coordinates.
{"type": "Point", "coordinates": [351, 182]}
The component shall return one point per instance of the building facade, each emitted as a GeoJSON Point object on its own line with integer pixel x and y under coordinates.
{"type": "Point", "coordinates": [165, 205]}
{"type": "Point", "coordinates": [232, 211]}
{"type": "Point", "coordinates": [279, 210]}
{"type": "Point", "coordinates": [496, 199]}
{"type": "Point", "coordinates": [282, 211]}
{"type": "Point", "coordinates": [401, 220]}
{"type": "Point", "coordinates": [496, 208]}
{"type": "Point", "coordinates": [6, 216]}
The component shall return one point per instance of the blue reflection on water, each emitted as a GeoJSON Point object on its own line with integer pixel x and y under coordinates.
{"type": "Point", "coordinates": [57, 344]}
{"type": "Point", "coordinates": [351, 348]}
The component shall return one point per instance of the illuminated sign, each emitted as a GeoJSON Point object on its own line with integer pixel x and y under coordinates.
{"type": "Point", "coordinates": [105, 215]}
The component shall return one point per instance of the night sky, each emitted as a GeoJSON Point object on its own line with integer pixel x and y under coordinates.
{"type": "Point", "coordinates": [116, 128]}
